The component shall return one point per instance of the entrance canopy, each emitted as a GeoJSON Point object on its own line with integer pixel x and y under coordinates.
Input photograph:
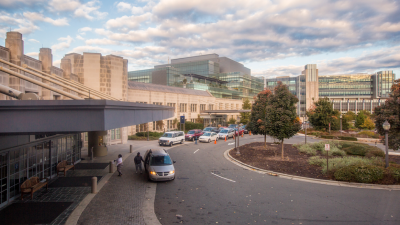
{"type": "Point", "coordinates": [70, 116]}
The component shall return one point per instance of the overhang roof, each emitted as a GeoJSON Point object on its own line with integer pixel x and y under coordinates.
{"type": "Point", "coordinates": [70, 116]}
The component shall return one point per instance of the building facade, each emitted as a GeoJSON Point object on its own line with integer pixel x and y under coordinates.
{"type": "Point", "coordinates": [350, 92]}
{"type": "Point", "coordinates": [221, 76]}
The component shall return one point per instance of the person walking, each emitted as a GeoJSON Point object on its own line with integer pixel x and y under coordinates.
{"type": "Point", "coordinates": [119, 164]}
{"type": "Point", "coordinates": [138, 162]}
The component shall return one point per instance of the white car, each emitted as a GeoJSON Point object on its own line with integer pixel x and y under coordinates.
{"type": "Point", "coordinates": [170, 138]}
{"type": "Point", "coordinates": [228, 133]}
{"type": "Point", "coordinates": [208, 137]}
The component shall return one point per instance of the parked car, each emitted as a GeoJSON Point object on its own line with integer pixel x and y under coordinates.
{"type": "Point", "coordinates": [208, 129]}
{"type": "Point", "coordinates": [208, 137]}
{"type": "Point", "coordinates": [232, 126]}
{"type": "Point", "coordinates": [193, 134]}
{"type": "Point", "coordinates": [244, 129]}
{"type": "Point", "coordinates": [216, 130]}
{"type": "Point", "coordinates": [159, 165]}
{"type": "Point", "coordinates": [171, 138]}
{"type": "Point", "coordinates": [228, 133]}
{"type": "Point", "coordinates": [240, 132]}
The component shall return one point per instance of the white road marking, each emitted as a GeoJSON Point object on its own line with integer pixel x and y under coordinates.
{"type": "Point", "coordinates": [231, 143]}
{"type": "Point", "coordinates": [222, 177]}
{"type": "Point", "coordinates": [196, 151]}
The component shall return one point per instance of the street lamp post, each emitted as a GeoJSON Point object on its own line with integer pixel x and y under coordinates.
{"type": "Point", "coordinates": [386, 127]}
{"type": "Point", "coordinates": [237, 145]}
{"type": "Point", "coordinates": [340, 124]}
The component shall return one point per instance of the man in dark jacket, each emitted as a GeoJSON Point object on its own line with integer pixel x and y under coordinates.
{"type": "Point", "coordinates": [138, 162]}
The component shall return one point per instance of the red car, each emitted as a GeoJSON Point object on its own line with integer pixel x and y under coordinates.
{"type": "Point", "coordinates": [192, 134]}
{"type": "Point", "coordinates": [241, 131]}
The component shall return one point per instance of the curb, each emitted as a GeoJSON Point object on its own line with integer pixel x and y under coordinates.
{"type": "Point", "coordinates": [310, 180]}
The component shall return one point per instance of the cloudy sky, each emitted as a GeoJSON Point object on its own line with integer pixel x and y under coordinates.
{"type": "Point", "coordinates": [272, 38]}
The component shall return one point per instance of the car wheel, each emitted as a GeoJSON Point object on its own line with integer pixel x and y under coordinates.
{"type": "Point", "coordinates": [209, 140]}
{"type": "Point", "coordinates": [216, 139]}
{"type": "Point", "coordinates": [148, 177]}
{"type": "Point", "coordinates": [173, 178]}
{"type": "Point", "coordinates": [160, 144]}
{"type": "Point", "coordinates": [182, 141]}
{"type": "Point", "coordinates": [170, 144]}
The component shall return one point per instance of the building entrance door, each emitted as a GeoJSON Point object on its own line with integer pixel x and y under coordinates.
{"type": "Point", "coordinates": [3, 179]}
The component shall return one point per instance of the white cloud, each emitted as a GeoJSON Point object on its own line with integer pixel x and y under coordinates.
{"type": "Point", "coordinates": [33, 54]}
{"type": "Point", "coordinates": [90, 11]}
{"type": "Point", "coordinates": [57, 63]}
{"type": "Point", "coordinates": [14, 3]}
{"type": "Point", "coordinates": [64, 5]}
{"type": "Point", "coordinates": [64, 44]}
{"type": "Point", "coordinates": [33, 16]}
{"type": "Point", "coordinates": [33, 40]}
{"type": "Point", "coordinates": [128, 21]}
{"type": "Point", "coordinates": [123, 6]}
{"type": "Point", "coordinates": [103, 41]}
{"type": "Point", "coordinates": [80, 37]}
{"type": "Point", "coordinates": [23, 25]}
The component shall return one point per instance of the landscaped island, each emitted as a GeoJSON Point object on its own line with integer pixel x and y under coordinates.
{"type": "Point", "coordinates": [348, 161]}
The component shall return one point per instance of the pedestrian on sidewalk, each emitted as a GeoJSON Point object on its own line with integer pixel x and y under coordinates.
{"type": "Point", "coordinates": [119, 164]}
{"type": "Point", "coordinates": [138, 162]}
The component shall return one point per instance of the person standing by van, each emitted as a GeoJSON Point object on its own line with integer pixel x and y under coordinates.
{"type": "Point", "coordinates": [119, 164]}
{"type": "Point", "coordinates": [138, 162]}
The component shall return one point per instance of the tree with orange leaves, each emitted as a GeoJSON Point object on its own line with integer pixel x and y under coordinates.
{"type": "Point", "coordinates": [258, 113]}
{"type": "Point", "coordinates": [390, 111]}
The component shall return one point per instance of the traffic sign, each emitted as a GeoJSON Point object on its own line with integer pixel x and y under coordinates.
{"type": "Point", "coordinates": [182, 119]}
{"type": "Point", "coordinates": [327, 147]}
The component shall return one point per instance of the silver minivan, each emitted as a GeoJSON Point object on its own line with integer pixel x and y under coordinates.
{"type": "Point", "coordinates": [159, 165]}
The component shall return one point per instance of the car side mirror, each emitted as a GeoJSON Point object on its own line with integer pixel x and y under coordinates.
{"type": "Point", "coordinates": [174, 161]}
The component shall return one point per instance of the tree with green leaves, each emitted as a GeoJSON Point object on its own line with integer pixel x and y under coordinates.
{"type": "Point", "coordinates": [350, 115]}
{"type": "Point", "coordinates": [282, 121]}
{"type": "Point", "coordinates": [231, 121]}
{"type": "Point", "coordinates": [322, 114]}
{"type": "Point", "coordinates": [245, 116]}
{"type": "Point", "coordinates": [390, 111]}
{"type": "Point", "coordinates": [257, 121]}
{"type": "Point", "coordinates": [360, 120]}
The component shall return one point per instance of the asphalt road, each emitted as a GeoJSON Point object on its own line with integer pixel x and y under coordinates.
{"type": "Point", "coordinates": [211, 190]}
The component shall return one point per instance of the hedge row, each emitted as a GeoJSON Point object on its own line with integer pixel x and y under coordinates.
{"type": "Point", "coordinates": [192, 126]}
{"type": "Point", "coordinates": [151, 134]}
{"type": "Point", "coordinates": [339, 137]}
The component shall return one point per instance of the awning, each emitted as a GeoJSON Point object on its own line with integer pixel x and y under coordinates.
{"type": "Point", "coordinates": [69, 116]}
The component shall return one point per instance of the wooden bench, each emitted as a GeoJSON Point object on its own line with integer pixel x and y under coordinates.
{"type": "Point", "coordinates": [63, 166]}
{"type": "Point", "coordinates": [32, 185]}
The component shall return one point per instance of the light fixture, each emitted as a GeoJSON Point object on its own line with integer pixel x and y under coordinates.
{"type": "Point", "coordinates": [386, 125]}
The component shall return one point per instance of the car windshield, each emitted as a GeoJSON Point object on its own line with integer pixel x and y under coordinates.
{"type": "Point", "coordinates": [224, 131]}
{"type": "Point", "coordinates": [191, 132]}
{"type": "Point", "coordinates": [207, 134]}
{"type": "Point", "coordinates": [160, 160]}
{"type": "Point", "coordinates": [167, 135]}
{"type": "Point", "coordinates": [207, 129]}
{"type": "Point", "coordinates": [232, 125]}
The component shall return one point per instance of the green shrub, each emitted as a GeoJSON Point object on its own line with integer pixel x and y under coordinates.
{"type": "Point", "coordinates": [306, 148]}
{"type": "Point", "coordinates": [340, 162]}
{"type": "Point", "coordinates": [320, 146]}
{"type": "Point", "coordinates": [191, 126]}
{"type": "Point", "coordinates": [356, 150]}
{"type": "Point", "coordinates": [394, 172]}
{"type": "Point", "coordinates": [360, 173]}
{"type": "Point", "coordinates": [375, 153]}
{"type": "Point", "coordinates": [327, 137]}
{"type": "Point", "coordinates": [367, 133]}
{"type": "Point", "coordinates": [151, 134]}
{"type": "Point", "coordinates": [347, 138]}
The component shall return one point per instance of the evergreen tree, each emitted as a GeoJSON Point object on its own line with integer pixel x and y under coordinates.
{"type": "Point", "coordinates": [322, 114]}
{"type": "Point", "coordinates": [390, 111]}
{"type": "Point", "coordinates": [360, 120]}
{"type": "Point", "coordinates": [281, 117]}
{"type": "Point", "coordinates": [256, 123]}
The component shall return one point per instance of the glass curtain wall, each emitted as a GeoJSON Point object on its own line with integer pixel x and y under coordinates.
{"type": "Point", "coordinates": [35, 160]}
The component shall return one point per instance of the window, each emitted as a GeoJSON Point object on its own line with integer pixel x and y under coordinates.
{"type": "Point", "coordinates": [157, 103]}
{"type": "Point", "coordinates": [202, 107]}
{"type": "Point", "coordinates": [193, 107]}
{"type": "Point", "coordinates": [118, 133]}
{"type": "Point", "coordinates": [210, 107]}
{"type": "Point", "coordinates": [172, 105]}
{"type": "Point", "coordinates": [183, 107]}
{"type": "Point", "coordinates": [86, 136]}
{"type": "Point", "coordinates": [113, 134]}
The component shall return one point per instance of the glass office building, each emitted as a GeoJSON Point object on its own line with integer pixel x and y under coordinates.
{"type": "Point", "coordinates": [221, 76]}
{"type": "Point", "coordinates": [346, 86]}
{"type": "Point", "coordinates": [39, 158]}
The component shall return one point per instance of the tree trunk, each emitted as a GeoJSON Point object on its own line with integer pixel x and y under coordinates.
{"type": "Point", "coordinates": [282, 150]}
{"type": "Point", "coordinates": [265, 141]}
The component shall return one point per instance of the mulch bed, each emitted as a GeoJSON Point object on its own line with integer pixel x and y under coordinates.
{"type": "Point", "coordinates": [294, 162]}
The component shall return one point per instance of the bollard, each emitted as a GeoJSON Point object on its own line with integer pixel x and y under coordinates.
{"type": "Point", "coordinates": [130, 150]}
{"type": "Point", "coordinates": [111, 167]}
{"type": "Point", "coordinates": [94, 185]}
{"type": "Point", "coordinates": [91, 154]}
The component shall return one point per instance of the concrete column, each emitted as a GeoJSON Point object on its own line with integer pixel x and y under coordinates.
{"type": "Point", "coordinates": [98, 140]}
{"type": "Point", "coordinates": [355, 105]}
{"type": "Point", "coordinates": [66, 67]}
{"type": "Point", "coordinates": [47, 62]}
{"type": "Point", "coordinates": [15, 44]}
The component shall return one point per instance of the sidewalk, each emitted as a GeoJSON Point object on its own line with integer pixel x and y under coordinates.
{"type": "Point", "coordinates": [128, 199]}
